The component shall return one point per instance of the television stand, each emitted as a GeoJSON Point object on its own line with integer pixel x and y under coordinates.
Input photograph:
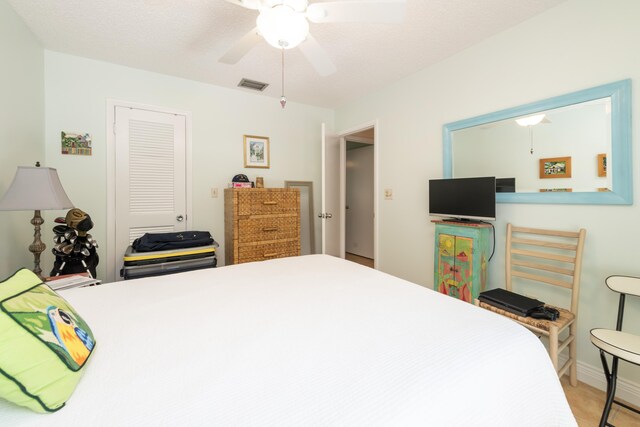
{"type": "Point", "coordinates": [462, 250]}
{"type": "Point", "coordinates": [462, 221]}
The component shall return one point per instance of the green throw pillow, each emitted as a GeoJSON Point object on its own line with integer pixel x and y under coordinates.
{"type": "Point", "coordinates": [44, 344]}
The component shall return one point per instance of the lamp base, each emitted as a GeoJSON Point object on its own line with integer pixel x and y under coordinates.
{"type": "Point", "coordinates": [37, 247]}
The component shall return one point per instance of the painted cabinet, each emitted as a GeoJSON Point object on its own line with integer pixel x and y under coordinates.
{"type": "Point", "coordinates": [462, 253]}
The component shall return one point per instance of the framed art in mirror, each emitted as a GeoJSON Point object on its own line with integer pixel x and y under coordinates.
{"type": "Point", "coordinates": [585, 126]}
{"type": "Point", "coordinates": [556, 167]}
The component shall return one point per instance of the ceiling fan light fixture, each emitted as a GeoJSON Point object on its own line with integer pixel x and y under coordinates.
{"type": "Point", "coordinates": [282, 27]}
{"type": "Point", "coordinates": [530, 120]}
{"type": "Point", "coordinates": [297, 5]}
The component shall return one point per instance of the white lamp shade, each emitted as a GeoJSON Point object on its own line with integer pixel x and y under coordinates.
{"type": "Point", "coordinates": [35, 188]}
{"type": "Point", "coordinates": [282, 27]}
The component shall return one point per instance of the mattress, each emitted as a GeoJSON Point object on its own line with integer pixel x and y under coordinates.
{"type": "Point", "coordinates": [302, 341]}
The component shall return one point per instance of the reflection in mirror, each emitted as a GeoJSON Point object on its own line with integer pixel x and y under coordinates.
{"type": "Point", "coordinates": [512, 148]}
{"type": "Point", "coordinates": [307, 229]}
{"type": "Point", "coordinates": [574, 148]}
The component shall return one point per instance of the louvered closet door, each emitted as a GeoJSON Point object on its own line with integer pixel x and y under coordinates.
{"type": "Point", "coordinates": [150, 174]}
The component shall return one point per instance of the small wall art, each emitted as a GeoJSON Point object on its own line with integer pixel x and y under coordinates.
{"type": "Point", "coordinates": [256, 151]}
{"type": "Point", "coordinates": [555, 167]}
{"type": "Point", "coordinates": [602, 165]}
{"type": "Point", "coordinates": [75, 143]}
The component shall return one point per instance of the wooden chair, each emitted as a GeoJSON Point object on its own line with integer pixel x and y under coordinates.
{"type": "Point", "coordinates": [620, 345]}
{"type": "Point", "coordinates": [552, 258]}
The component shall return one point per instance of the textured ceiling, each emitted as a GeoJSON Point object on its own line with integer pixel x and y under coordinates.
{"type": "Point", "coordinates": [185, 38]}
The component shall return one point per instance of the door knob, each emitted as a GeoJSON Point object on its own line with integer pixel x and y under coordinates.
{"type": "Point", "coordinates": [179, 218]}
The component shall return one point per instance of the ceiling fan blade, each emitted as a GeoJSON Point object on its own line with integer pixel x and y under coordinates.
{"type": "Point", "coordinates": [249, 4]}
{"type": "Point", "coordinates": [390, 11]}
{"type": "Point", "coordinates": [241, 47]}
{"type": "Point", "coordinates": [317, 56]}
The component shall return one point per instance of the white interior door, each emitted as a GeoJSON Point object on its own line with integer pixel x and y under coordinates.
{"type": "Point", "coordinates": [150, 175]}
{"type": "Point", "coordinates": [332, 243]}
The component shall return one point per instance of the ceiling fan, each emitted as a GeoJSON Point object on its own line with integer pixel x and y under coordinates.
{"type": "Point", "coordinates": [284, 24]}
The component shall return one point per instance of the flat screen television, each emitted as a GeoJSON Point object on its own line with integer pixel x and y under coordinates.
{"type": "Point", "coordinates": [470, 199]}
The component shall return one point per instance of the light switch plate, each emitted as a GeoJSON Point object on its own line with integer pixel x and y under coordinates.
{"type": "Point", "coordinates": [388, 194]}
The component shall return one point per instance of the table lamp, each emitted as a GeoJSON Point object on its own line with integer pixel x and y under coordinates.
{"type": "Point", "coordinates": [35, 188]}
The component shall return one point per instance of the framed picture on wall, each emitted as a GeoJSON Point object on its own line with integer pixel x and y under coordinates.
{"type": "Point", "coordinates": [555, 167]}
{"type": "Point", "coordinates": [256, 151]}
{"type": "Point", "coordinates": [602, 165]}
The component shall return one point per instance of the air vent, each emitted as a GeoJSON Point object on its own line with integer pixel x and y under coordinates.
{"type": "Point", "coordinates": [252, 84]}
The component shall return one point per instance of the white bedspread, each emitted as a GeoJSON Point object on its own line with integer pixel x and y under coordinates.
{"type": "Point", "coordinates": [305, 341]}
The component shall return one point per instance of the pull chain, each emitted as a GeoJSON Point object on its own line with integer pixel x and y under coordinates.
{"type": "Point", "coordinates": [531, 138]}
{"type": "Point", "coordinates": [283, 99]}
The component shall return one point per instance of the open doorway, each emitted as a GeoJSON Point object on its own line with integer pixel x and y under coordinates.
{"type": "Point", "coordinates": [334, 200]}
{"type": "Point", "coordinates": [359, 197]}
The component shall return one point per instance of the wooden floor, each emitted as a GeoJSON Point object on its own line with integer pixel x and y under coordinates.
{"type": "Point", "coordinates": [586, 402]}
{"type": "Point", "coordinates": [359, 259]}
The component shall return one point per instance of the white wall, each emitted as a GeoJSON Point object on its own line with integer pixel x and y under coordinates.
{"type": "Point", "coordinates": [77, 90]}
{"type": "Point", "coordinates": [21, 129]}
{"type": "Point", "coordinates": [577, 45]}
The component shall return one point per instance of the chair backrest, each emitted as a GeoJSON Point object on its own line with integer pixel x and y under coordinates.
{"type": "Point", "coordinates": [547, 256]}
{"type": "Point", "coordinates": [624, 284]}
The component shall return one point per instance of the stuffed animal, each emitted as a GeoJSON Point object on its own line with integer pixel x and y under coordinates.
{"type": "Point", "coordinates": [75, 249]}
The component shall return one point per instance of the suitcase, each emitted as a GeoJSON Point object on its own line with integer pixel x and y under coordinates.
{"type": "Point", "coordinates": [157, 263]}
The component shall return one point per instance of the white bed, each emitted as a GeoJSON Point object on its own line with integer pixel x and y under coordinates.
{"type": "Point", "coordinates": [305, 341]}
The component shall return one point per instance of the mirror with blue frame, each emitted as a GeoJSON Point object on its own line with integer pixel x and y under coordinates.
{"type": "Point", "coordinates": [573, 149]}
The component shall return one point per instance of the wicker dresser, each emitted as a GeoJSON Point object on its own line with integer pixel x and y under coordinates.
{"type": "Point", "coordinates": [261, 223]}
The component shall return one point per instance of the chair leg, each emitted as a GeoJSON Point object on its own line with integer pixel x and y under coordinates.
{"type": "Point", "coordinates": [553, 346]}
{"type": "Point", "coordinates": [612, 378]}
{"type": "Point", "coordinates": [573, 355]}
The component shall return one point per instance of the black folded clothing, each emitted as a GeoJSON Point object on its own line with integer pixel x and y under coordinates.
{"type": "Point", "coordinates": [510, 301]}
{"type": "Point", "coordinates": [150, 242]}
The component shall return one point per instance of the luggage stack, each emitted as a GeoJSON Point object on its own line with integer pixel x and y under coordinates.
{"type": "Point", "coordinates": [156, 254]}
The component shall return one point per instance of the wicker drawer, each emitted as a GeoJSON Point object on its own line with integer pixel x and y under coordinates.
{"type": "Point", "coordinates": [270, 228]}
{"type": "Point", "coordinates": [248, 253]}
{"type": "Point", "coordinates": [260, 224]}
{"type": "Point", "coordinates": [267, 202]}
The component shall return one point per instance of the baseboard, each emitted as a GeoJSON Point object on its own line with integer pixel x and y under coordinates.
{"type": "Point", "coordinates": [626, 390]}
